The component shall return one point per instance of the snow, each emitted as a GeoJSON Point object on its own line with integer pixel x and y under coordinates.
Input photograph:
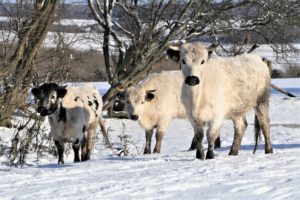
{"type": "Point", "coordinates": [175, 173]}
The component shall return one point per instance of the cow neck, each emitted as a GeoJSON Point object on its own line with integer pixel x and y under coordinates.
{"type": "Point", "coordinates": [60, 112]}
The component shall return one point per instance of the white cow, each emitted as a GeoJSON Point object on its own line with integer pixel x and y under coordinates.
{"type": "Point", "coordinates": [72, 111]}
{"type": "Point", "coordinates": [154, 102]}
{"type": "Point", "coordinates": [223, 88]}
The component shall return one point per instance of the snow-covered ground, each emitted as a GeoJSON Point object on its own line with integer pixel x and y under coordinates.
{"type": "Point", "coordinates": [175, 173]}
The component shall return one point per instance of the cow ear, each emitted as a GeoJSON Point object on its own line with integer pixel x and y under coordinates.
{"type": "Point", "coordinates": [61, 91]}
{"type": "Point", "coordinates": [173, 54]}
{"type": "Point", "coordinates": [35, 91]}
{"type": "Point", "coordinates": [150, 95]}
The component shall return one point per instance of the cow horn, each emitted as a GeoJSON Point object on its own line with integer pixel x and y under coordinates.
{"type": "Point", "coordinates": [213, 46]}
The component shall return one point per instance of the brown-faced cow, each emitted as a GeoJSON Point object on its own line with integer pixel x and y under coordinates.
{"type": "Point", "coordinates": [154, 102]}
{"type": "Point", "coordinates": [72, 112]}
{"type": "Point", "coordinates": [223, 88]}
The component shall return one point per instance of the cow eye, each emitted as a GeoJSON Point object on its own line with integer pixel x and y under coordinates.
{"type": "Point", "coordinates": [128, 102]}
{"type": "Point", "coordinates": [183, 61]}
{"type": "Point", "coordinates": [143, 102]}
{"type": "Point", "coordinates": [202, 62]}
{"type": "Point", "coordinates": [52, 97]}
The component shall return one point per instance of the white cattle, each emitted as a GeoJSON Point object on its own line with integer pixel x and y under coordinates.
{"type": "Point", "coordinates": [154, 102]}
{"type": "Point", "coordinates": [223, 88]}
{"type": "Point", "coordinates": [72, 112]}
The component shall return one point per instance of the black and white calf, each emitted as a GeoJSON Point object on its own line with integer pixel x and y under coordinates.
{"type": "Point", "coordinates": [73, 114]}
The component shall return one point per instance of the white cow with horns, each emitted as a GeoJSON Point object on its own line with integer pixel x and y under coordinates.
{"type": "Point", "coordinates": [215, 89]}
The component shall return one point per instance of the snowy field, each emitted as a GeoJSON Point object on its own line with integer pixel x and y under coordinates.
{"type": "Point", "coordinates": [175, 173]}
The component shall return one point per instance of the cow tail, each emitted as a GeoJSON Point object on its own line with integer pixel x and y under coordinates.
{"type": "Point", "coordinates": [104, 133]}
{"type": "Point", "coordinates": [257, 133]}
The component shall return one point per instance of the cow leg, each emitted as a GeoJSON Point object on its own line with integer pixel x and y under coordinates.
{"type": "Point", "coordinates": [198, 135]}
{"type": "Point", "coordinates": [160, 132]}
{"type": "Point", "coordinates": [83, 148]}
{"type": "Point", "coordinates": [148, 134]}
{"type": "Point", "coordinates": [218, 142]}
{"type": "Point", "coordinates": [76, 147]}
{"type": "Point", "coordinates": [240, 125]}
{"type": "Point", "coordinates": [89, 144]}
{"type": "Point", "coordinates": [262, 113]}
{"type": "Point", "coordinates": [159, 136]}
{"type": "Point", "coordinates": [212, 134]}
{"type": "Point", "coordinates": [60, 151]}
{"type": "Point", "coordinates": [199, 146]}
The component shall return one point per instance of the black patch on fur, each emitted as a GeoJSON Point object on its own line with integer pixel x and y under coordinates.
{"type": "Point", "coordinates": [96, 103]}
{"type": "Point", "coordinates": [76, 99]}
{"type": "Point", "coordinates": [61, 91]}
{"type": "Point", "coordinates": [150, 95]}
{"type": "Point", "coordinates": [83, 129]}
{"type": "Point", "coordinates": [62, 116]}
{"type": "Point", "coordinates": [90, 103]}
{"type": "Point", "coordinates": [35, 91]}
{"type": "Point", "coordinates": [77, 141]}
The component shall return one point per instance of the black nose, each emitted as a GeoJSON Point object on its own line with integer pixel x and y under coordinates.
{"type": "Point", "coordinates": [42, 110]}
{"type": "Point", "coordinates": [192, 80]}
{"type": "Point", "coordinates": [134, 117]}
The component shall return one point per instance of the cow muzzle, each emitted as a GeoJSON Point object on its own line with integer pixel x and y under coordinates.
{"type": "Point", "coordinates": [192, 80]}
{"type": "Point", "coordinates": [42, 111]}
{"type": "Point", "coordinates": [134, 117]}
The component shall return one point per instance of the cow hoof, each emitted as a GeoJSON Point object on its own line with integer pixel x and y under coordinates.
{"type": "Point", "coordinates": [155, 151]}
{"type": "Point", "coordinates": [267, 151]}
{"type": "Point", "coordinates": [200, 154]}
{"type": "Point", "coordinates": [233, 153]}
{"type": "Point", "coordinates": [61, 162]}
{"type": "Point", "coordinates": [210, 155]}
{"type": "Point", "coordinates": [146, 151]}
{"type": "Point", "coordinates": [193, 147]}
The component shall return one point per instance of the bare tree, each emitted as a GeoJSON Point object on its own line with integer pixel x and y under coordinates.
{"type": "Point", "coordinates": [136, 41]}
{"type": "Point", "coordinates": [136, 34]}
{"type": "Point", "coordinates": [32, 20]}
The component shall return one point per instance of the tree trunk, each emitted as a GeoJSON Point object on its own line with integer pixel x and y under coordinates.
{"type": "Point", "coordinates": [22, 60]}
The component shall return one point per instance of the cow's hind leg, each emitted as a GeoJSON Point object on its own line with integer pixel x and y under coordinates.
{"type": "Point", "coordinates": [148, 134]}
{"type": "Point", "coordinates": [262, 113]}
{"type": "Point", "coordinates": [89, 144]}
{"type": "Point", "coordinates": [240, 125]}
{"type": "Point", "coordinates": [83, 148]}
{"type": "Point", "coordinates": [76, 147]}
{"type": "Point", "coordinates": [60, 151]}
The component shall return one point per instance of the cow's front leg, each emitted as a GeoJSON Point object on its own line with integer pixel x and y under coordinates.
{"type": "Point", "coordinates": [159, 136]}
{"type": "Point", "coordinates": [160, 132]}
{"type": "Point", "coordinates": [60, 151]}
{"type": "Point", "coordinates": [213, 133]}
{"type": "Point", "coordinates": [148, 134]}
{"type": "Point", "coordinates": [199, 145]}
{"type": "Point", "coordinates": [76, 146]}
{"type": "Point", "coordinates": [198, 135]}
